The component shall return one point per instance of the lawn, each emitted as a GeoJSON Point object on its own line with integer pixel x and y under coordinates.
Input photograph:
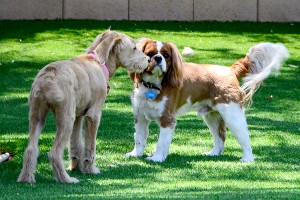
{"type": "Point", "coordinates": [274, 117]}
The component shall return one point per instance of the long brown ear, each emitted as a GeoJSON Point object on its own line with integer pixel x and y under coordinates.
{"type": "Point", "coordinates": [174, 74]}
{"type": "Point", "coordinates": [137, 78]}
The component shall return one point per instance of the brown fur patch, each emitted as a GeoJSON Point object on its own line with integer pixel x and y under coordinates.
{"type": "Point", "coordinates": [241, 67]}
{"type": "Point", "coordinates": [222, 130]}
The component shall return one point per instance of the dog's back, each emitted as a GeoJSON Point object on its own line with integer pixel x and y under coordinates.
{"type": "Point", "coordinates": [61, 81]}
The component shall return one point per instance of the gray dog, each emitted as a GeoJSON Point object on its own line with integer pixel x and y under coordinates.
{"type": "Point", "coordinates": [75, 89]}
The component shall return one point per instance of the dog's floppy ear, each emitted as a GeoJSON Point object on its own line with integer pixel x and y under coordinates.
{"type": "Point", "coordinates": [97, 41]}
{"type": "Point", "coordinates": [174, 74]}
{"type": "Point", "coordinates": [103, 44]}
{"type": "Point", "coordinates": [104, 48]}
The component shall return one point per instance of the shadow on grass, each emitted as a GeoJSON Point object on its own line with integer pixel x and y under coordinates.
{"type": "Point", "coordinates": [29, 28]}
{"type": "Point", "coordinates": [18, 76]}
{"type": "Point", "coordinates": [271, 125]}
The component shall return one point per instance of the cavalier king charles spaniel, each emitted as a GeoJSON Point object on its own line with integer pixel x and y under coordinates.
{"type": "Point", "coordinates": [169, 88]}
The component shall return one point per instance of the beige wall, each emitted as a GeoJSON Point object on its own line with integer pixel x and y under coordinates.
{"type": "Point", "coordinates": [177, 10]}
{"type": "Point", "coordinates": [30, 9]}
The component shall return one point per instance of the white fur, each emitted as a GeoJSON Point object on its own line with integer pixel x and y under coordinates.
{"type": "Point", "coordinates": [140, 136]}
{"type": "Point", "coordinates": [188, 107]}
{"type": "Point", "coordinates": [235, 120]}
{"type": "Point", "coordinates": [159, 45]}
{"type": "Point", "coordinates": [151, 109]}
{"type": "Point", "coordinates": [163, 145]}
{"type": "Point", "coordinates": [265, 58]}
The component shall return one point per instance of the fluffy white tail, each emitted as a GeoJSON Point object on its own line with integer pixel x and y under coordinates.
{"type": "Point", "coordinates": [264, 58]}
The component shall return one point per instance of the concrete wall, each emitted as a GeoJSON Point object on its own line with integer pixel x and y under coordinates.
{"type": "Point", "coordinates": [30, 9]}
{"type": "Point", "coordinates": [177, 10]}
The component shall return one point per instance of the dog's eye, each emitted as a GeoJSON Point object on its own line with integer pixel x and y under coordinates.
{"type": "Point", "coordinates": [150, 54]}
{"type": "Point", "coordinates": [166, 55]}
{"type": "Point", "coordinates": [134, 48]}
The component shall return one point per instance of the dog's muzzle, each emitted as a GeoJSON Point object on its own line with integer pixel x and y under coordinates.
{"type": "Point", "coordinates": [159, 62]}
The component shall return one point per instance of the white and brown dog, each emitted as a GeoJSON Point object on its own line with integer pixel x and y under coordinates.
{"type": "Point", "coordinates": [73, 90]}
{"type": "Point", "coordinates": [169, 88]}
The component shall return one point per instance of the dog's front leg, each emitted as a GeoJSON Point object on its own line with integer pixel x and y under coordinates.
{"type": "Point", "coordinates": [163, 145]}
{"type": "Point", "coordinates": [140, 137]}
{"type": "Point", "coordinates": [90, 145]}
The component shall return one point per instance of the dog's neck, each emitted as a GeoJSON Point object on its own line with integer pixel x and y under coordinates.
{"type": "Point", "coordinates": [93, 55]}
{"type": "Point", "coordinates": [110, 66]}
{"type": "Point", "coordinates": [153, 80]}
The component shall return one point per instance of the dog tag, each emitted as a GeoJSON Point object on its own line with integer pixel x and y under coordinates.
{"type": "Point", "coordinates": [151, 95]}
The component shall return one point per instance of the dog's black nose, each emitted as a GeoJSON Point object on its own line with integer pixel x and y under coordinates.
{"type": "Point", "coordinates": [149, 60]}
{"type": "Point", "coordinates": [158, 59]}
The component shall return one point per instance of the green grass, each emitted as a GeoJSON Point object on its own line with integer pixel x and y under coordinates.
{"type": "Point", "coordinates": [274, 124]}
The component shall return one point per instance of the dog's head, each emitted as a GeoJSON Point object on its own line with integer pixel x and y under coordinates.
{"type": "Point", "coordinates": [112, 46]}
{"type": "Point", "coordinates": [165, 62]}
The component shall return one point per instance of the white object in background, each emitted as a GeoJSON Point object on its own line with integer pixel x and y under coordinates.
{"type": "Point", "coordinates": [188, 51]}
{"type": "Point", "coordinates": [4, 157]}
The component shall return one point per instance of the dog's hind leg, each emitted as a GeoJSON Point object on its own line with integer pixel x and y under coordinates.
{"type": "Point", "coordinates": [89, 165]}
{"type": "Point", "coordinates": [37, 115]}
{"type": "Point", "coordinates": [89, 158]}
{"type": "Point", "coordinates": [65, 117]}
{"type": "Point", "coordinates": [76, 146]}
{"type": "Point", "coordinates": [217, 128]}
{"type": "Point", "coordinates": [235, 120]}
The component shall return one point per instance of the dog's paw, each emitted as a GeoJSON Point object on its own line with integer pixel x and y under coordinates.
{"type": "Point", "coordinates": [214, 152]}
{"type": "Point", "coordinates": [133, 154]}
{"type": "Point", "coordinates": [211, 154]}
{"type": "Point", "coordinates": [91, 170]}
{"type": "Point", "coordinates": [95, 170]}
{"type": "Point", "coordinates": [72, 180]}
{"type": "Point", "coordinates": [67, 179]}
{"type": "Point", "coordinates": [247, 159]}
{"type": "Point", "coordinates": [28, 179]}
{"type": "Point", "coordinates": [156, 158]}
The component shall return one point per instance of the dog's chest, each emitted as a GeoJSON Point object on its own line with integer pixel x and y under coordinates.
{"type": "Point", "coordinates": [150, 109]}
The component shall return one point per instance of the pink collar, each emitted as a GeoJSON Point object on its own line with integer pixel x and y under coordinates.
{"type": "Point", "coordinates": [93, 55]}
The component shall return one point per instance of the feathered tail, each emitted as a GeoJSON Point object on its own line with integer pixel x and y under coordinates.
{"type": "Point", "coordinates": [261, 61]}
